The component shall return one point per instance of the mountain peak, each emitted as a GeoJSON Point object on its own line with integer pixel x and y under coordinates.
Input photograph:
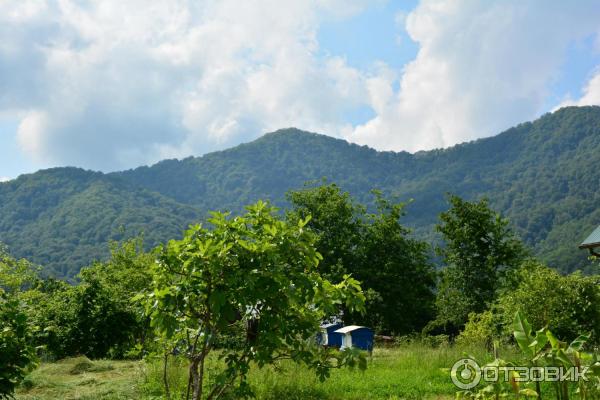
{"type": "Point", "coordinates": [295, 134]}
{"type": "Point", "coordinates": [542, 175]}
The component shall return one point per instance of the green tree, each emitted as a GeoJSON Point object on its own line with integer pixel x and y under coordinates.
{"type": "Point", "coordinates": [336, 219]}
{"type": "Point", "coordinates": [567, 305]}
{"type": "Point", "coordinates": [17, 353]}
{"type": "Point", "coordinates": [15, 275]}
{"type": "Point", "coordinates": [479, 250]}
{"type": "Point", "coordinates": [376, 249]}
{"type": "Point", "coordinates": [397, 270]}
{"type": "Point", "coordinates": [97, 317]}
{"type": "Point", "coordinates": [84, 319]}
{"type": "Point", "coordinates": [257, 269]}
{"type": "Point", "coordinates": [123, 276]}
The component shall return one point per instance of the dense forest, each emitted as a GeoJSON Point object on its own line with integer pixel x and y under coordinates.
{"type": "Point", "coordinates": [541, 175]}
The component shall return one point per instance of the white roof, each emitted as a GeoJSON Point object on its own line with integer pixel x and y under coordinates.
{"type": "Point", "coordinates": [349, 328]}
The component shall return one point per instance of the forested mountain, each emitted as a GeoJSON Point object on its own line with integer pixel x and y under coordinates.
{"type": "Point", "coordinates": [63, 218]}
{"type": "Point", "coordinates": [542, 175]}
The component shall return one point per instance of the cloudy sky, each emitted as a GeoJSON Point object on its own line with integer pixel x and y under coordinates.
{"type": "Point", "coordinates": [113, 84]}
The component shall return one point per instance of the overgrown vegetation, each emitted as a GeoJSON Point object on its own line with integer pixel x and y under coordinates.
{"type": "Point", "coordinates": [17, 355]}
{"type": "Point", "coordinates": [376, 249]}
{"type": "Point", "coordinates": [480, 253]}
{"type": "Point", "coordinates": [245, 294]}
{"type": "Point", "coordinates": [257, 271]}
{"type": "Point", "coordinates": [541, 175]}
{"type": "Point", "coordinates": [575, 372]}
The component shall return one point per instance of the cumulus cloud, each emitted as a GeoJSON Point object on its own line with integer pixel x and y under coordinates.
{"type": "Point", "coordinates": [481, 67]}
{"type": "Point", "coordinates": [113, 84]}
{"type": "Point", "coordinates": [590, 96]}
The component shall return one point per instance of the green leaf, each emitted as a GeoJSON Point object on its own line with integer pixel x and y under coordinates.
{"type": "Point", "coordinates": [578, 343]}
{"type": "Point", "coordinates": [528, 392]}
{"type": "Point", "coordinates": [564, 358]}
{"type": "Point", "coordinates": [522, 332]}
{"type": "Point", "coordinates": [554, 342]}
{"type": "Point", "coordinates": [541, 339]}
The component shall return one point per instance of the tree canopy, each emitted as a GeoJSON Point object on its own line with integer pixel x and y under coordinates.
{"type": "Point", "coordinates": [17, 351]}
{"type": "Point", "coordinates": [479, 251]}
{"type": "Point", "coordinates": [374, 247]}
{"type": "Point", "coordinates": [255, 269]}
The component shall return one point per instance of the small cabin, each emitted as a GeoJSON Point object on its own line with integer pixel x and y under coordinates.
{"type": "Point", "coordinates": [357, 336]}
{"type": "Point", "coordinates": [328, 336]}
{"type": "Point", "coordinates": [592, 242]}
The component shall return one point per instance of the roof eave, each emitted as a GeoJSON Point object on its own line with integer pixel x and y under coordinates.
{"type": "Point", "coordinates": [589, 245]}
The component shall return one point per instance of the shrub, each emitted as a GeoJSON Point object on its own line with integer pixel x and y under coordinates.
{"type": "Point", "coordinates": [481, 328]}
{"type": "Point", "coordinates": [17, 355]}
{"type": "Point", "coordinates": [567, 305]}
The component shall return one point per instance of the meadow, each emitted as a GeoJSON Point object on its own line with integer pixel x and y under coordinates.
{"type": "Point", "coordinates": [408, 371]}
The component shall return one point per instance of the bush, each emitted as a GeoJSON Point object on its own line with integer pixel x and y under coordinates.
{"type": "Point", "coordinates": [85, 319]}
{"type": "Point", "coordinates": [17, 355]}
{"type": "Point", "coordinates": [97, 317]}
{"type": "Point", "coordinates": [480, 329]}
{"type": "Point", "coordinates": [568, 305]}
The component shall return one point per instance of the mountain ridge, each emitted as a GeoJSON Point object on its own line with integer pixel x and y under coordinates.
{"type": "Point", "coordinates": [539, 174]}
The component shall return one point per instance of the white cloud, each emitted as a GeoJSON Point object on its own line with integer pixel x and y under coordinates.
{"type": "Point", "coordinates": [481, 67]}
{"type": "Point", "coordinates": [590, 96]}
{"type": "Point", "coordinates": [4, 179]}
{"type": "Point", "coordinates": [115, 84]}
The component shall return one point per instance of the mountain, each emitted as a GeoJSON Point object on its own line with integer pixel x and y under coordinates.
{"type": "Point", "coordinates": [63, 218]}
{"type": "Point", "coordinates": [542, 175]}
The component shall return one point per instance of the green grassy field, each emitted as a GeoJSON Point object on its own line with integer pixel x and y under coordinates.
{"type": "Point", "coordinates": [413, 371]}
{"type": "Point", "coordinates": [82, 379]}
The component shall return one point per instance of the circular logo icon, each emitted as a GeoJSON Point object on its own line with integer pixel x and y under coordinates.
{"type": "Point", "coordinates": [465, 374]}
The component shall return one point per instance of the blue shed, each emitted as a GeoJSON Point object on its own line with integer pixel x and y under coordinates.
{"type": "Point", "coordinates": [328, 336]}
{"type": "Point", "coordinates": [357, 336]}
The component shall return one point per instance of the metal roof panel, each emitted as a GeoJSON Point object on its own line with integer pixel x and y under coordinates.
{"type": "Point", "coordinates": [349, 328]}
{"type": "Point", "coordinates": [594, 238]}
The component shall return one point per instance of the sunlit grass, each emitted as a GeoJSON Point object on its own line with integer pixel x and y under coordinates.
{"type": "Point", "coordinates": [81, 379]}
{"type": "Point", "coordinates": [409, 371]}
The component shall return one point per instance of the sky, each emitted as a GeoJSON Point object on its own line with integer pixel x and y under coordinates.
{"type": "Point", "coordinates": [116, 84]}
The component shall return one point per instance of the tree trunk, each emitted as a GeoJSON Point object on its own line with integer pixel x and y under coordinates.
{"type": "Point", "coordinates": [166, 378]}
{"type": "Point", "coordinates": [201, 375]}
{"type": "Point", "coordinates": [196, 382]}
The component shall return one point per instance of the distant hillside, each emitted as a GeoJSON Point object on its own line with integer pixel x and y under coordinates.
{"type": "Point", "coordinates": [542, 175]}
{"type": "Point", "coordinates": [63, 218]}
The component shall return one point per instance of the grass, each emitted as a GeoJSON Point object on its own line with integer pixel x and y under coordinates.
{"type": "Point", "coordinates": [410, 371]}
{"type": "Point", "coordinates": [81, 379]}
{"type": "Point", "coordinates": [416, 372]}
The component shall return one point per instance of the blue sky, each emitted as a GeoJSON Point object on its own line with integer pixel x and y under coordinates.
{"type": "Point", "coordinates": [111, 85]}
{"type": "Point", "coordinates": [581, 62]}
{"type": "Point", "coordinates": [12, 160]}
{"type": "Point", "coordinates": [374, 34]}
